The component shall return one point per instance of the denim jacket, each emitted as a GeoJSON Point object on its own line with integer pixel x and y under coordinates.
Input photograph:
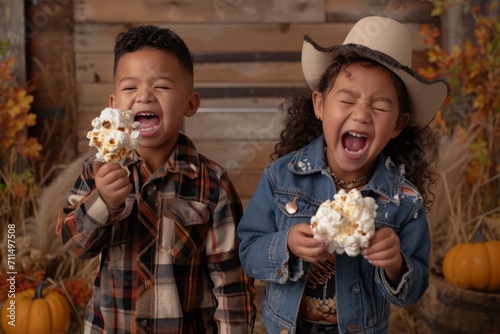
{"type": "Point", "coordinates": [363, 291]}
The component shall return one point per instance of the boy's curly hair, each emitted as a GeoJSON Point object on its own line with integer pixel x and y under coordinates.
{"type": "Point", "coordinates": [416, 148]}
{"type": "Point", "coordinates": [152, 37]}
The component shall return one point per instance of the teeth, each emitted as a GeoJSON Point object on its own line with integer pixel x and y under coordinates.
{"type": "Point", "coordinates": [352, 152]}
{"type": "Point", "coordinates": [146, 114]}
{"type": "Point", "coordinates": [148, 129]}
{"type": "Point", "coordinates": [354, 134]}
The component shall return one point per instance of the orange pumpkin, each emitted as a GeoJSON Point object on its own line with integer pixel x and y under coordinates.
{"type": "Point", "coordinates": [473, 266]}
{"type": "Point", "coordinates": [36, 312]}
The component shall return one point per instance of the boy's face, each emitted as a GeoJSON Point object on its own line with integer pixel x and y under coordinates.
{"type": "Point", "coordinates": [360, 114]}
{"type": "Point", "coordinates": [152, 84]}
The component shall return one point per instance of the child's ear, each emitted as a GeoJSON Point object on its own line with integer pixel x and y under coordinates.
{"type": "Point", "coordinates": [317, 100]}
{"type": "Point", "coordinates": [402, 121]}
{"type": "Point", "coordinates": [112, 100]}
{"type": "Point", "coordinates": [193, 104]}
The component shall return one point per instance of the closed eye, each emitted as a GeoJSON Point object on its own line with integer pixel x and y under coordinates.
{"type": "Point", "coordinates": [382, 107]}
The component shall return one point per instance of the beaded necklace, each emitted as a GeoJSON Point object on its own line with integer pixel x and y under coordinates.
{"type": "Point", "coordinates": [354, 183]}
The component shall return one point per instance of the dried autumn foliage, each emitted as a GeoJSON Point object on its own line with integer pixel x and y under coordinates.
{"type": "Point", "coordinates": [18, 152]}
{"type": "Point", "coordinates": [468, 201]}
{"type": "Point", "coordinates": [29, 248]}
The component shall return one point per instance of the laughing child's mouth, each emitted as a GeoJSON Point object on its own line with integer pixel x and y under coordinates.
{"type": "Point", "coordinates": [353, 142]}
{"type": "Point", "coordinates": [149, 121]}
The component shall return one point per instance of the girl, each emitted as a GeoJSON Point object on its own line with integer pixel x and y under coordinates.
{"type": "Point", "coordinates": [364, 126]}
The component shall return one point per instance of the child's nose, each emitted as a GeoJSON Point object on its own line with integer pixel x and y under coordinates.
{"type": "Point", "coordinates": [362, 112]}
{"type": "Point", "coordinates": [144, 96]}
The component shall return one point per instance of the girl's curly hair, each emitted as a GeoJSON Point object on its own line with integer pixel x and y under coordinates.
{"type": "Point", "coordinates": [416, 148]}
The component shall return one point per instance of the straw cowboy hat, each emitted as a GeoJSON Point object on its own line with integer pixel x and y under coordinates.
{"type": "Point", "coordinates": [389, 43]}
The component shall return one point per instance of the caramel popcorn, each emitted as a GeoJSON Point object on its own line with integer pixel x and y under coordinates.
{"type": "Point", "coordinates": [348, 222]}
{"type": "Point", "coordinates": [114, 135]}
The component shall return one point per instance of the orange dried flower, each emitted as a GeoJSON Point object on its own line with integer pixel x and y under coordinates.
{"type": "Point", "coordinates": [28, 279]}
{"type": "Point", "coordinates": [19, 189]}
{"type": "Point", "coordinates": [80, 291]}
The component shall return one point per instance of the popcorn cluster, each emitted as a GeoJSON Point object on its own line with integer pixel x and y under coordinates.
{"type": "Point", "coordinates": [348, 222]}
{"type": "Point", "coordinates": [114, 135]}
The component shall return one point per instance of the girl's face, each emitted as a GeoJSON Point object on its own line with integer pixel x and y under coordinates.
{"type": "Point", "coordinates": [360, 114]}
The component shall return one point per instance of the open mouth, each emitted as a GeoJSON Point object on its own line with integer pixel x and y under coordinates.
{"type": "Point", "coordinates": [354, 143]}
{"type": "Point", "coordinates": [149, 122]}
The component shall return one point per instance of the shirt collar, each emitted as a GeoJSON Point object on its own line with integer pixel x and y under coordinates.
{"type": "Point", "coordinates": [184, 159]}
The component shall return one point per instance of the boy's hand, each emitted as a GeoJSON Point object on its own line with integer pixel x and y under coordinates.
{"type": "Point", "coordinates": [303, 244]}
{"type": "Point", "coordinates": [384, 251]}
{"type": "Point", "coordinates": [113, 185]}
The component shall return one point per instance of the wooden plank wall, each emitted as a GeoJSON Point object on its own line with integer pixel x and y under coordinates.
{"type": "Point", "coordinates": [247, 58]}
{"type": "Point", "coordinates": [50, 66]}
{"type": "Point", "coordinates": [12, 27]}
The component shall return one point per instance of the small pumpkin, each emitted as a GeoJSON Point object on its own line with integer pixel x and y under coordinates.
{"type": "Point", "coordinates": [473, 266]}
{"type": "Point", "coordinates": [36, 311]}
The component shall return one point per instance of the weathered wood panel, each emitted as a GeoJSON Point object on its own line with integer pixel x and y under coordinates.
{"type": "Point", "coordinates": [245, 182]}
{"type": "Point", "coordinates": [50, 63]}
{"type": "Point", "coordinates": [237, 155]}
{"type": "Point", "coordinates": [50, 52]}
{"type": "Point", "coordinates": [353, 10]}
{"type": "Point", "coordinates": [243, 102]}
{"type": "Point", "coordinates": [95, 67]}
{"type": "Point", "coordinates": [232, 37]}
{"type": "Point", "coordinates": [257, 11]}
{"type": "Point", "coordinates": [12, 22]}
{"type": "Point", "coordinates": [241, 125]}
{"type": "Point", "coordinates": [219, 38]}
{"type": "Point", "coordinates": [249, 72]}
{"type": "Point", "coordinates": [93, 97]}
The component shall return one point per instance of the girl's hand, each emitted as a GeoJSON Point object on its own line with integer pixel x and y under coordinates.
{"type": "Point", "coordinates": [384, 251]}
{"type": "Point", "coordinates": [303, 244]}
{"type": "Point", "coordinates": [113, 185]}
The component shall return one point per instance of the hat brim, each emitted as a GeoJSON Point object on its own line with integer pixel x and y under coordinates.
{"type": "Point", "coordinates": [427, 96]}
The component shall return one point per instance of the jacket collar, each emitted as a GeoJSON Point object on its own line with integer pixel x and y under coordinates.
{"type": "Point", "coordinates": [386, 180]}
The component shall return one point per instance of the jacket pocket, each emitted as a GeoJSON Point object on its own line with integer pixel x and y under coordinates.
{"type": "Point", "coordinates": [296, 204]}
{"type": "Point", "coordinates": [295, 208]}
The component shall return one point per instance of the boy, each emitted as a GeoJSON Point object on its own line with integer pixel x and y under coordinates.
{"type": "Point", "coordinates": [166, 234]}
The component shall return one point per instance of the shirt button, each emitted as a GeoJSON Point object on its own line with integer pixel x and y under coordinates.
{"type": "Point", "coordinates": [355, 289]}
{"type": "Point", "coordinates": [283, 331]}
{"type": "Point", "coordinates": [144, 323]}
{"type": "Point", "coordinates": [351, 328]}
{"type": "Point", "coordinates": [279, 273]}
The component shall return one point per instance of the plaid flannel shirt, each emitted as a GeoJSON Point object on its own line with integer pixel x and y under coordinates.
{"type": "Point", "coordinates": [169, 260]}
